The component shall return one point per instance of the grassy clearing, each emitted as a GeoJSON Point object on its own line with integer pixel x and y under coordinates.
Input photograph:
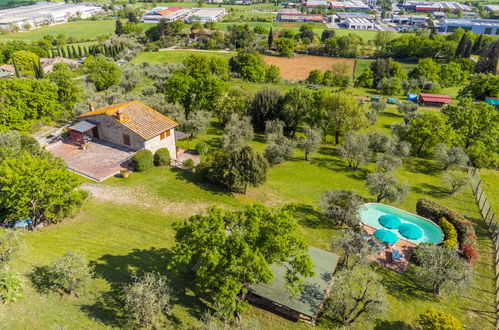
{"type": "Point", "coordinates": [128, 227]}
{"type": "Point", "coordinates": [489, 184]}
{"type": "Point", "coordinates": [86, 30]}
{"type": "Point", "coordinates": [175, 56]}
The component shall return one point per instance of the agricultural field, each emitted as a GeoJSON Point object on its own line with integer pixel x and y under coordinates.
{"type": "Point", "coordinates": [176, 56]}
{"type": "Point", "coordinates": [127, 226]}
{"type": "Point", "coordinates": [84, 30]}
{"type": "Point", "coordinates": [298, 68]}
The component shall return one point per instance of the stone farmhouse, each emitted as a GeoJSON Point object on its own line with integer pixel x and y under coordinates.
{"type": "Point", "coordinates": [132, 125]}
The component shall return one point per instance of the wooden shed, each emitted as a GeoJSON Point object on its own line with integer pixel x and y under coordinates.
{"type": "Point", "coordinates": [306, 305]}
{"type": "Point", "coordinates": [434, 100]}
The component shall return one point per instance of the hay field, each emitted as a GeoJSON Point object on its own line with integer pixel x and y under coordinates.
{"type": "Point", "coordinates": [299, 67]}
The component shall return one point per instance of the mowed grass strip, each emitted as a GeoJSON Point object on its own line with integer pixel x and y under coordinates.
{"type": "Point", "coordinates": [176, 56]}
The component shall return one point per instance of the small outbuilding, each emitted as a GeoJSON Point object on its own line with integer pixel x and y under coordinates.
{"type": "Point", "coordinates": [391, 100]}
{"type": "Point", "coordinates": [306, 305]}
{"type": "Point", "coordinates": [492, 101]}
{"type": "Point", "coordinates": [434, 100]}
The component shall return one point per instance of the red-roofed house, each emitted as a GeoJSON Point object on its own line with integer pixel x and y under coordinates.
{"type": "Point", "coordinates": [434, 100]}
{"type": "Point", "coordinates": [170, 14]}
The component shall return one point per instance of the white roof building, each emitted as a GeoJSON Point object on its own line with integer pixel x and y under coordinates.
{"type": "Point", "coordinates": [206, 14]}
{"type": "Point", "coordinates": [430, 6]}
{"type": "Point", "coordinates": [359, 24]}
{"type": "Point", "coordinates": [478, 26]}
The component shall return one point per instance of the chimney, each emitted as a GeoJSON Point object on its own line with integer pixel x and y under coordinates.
{"type": "Point", "coordinates": [120, 114]}
{"type": "Point", "coordinates": [91, 106]}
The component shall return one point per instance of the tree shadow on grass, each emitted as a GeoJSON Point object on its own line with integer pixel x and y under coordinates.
{"type": "Point", "coordinates": [431, 190]}
{"type": "Point", "coordinates": [118, 270]}
{"type": "Point", "coordinates": [392, 325]}
{"type": "Point", "coordinates": [337, 165]}
{"type": "Point", "coordinates": [309, 217]}
{"type": "Point", "coordinates": [188, 176]}
{"type": "Point", "coordinates": [40, 278]}
{"type": "Point", "coordinates": [420, 165]}
{"type": "Point", "coordinates": [405, 287]}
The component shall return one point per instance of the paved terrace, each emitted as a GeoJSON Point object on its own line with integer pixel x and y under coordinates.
{"type": "Point", "coordinates": [98, 162]}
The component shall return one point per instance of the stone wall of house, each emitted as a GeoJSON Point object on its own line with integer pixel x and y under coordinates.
{"type": "Point", "coordinates": [168, 142]}
{"type": "Point", "coordinates": [112, 131]}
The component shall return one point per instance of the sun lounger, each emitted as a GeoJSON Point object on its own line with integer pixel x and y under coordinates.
{"type": "Point", "coordinates": [396, 254]}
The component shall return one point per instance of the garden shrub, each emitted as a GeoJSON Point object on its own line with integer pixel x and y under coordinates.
{"type": "Point", "coordinates": [188, 164]}
{"type": "Point", "coordinates": [10, 287]}
{"type": "Point", "coordinates": [450, 233]}
{"type": "Point", "coordinates": [162, 157]}
{"type": "Point", "coordinates": [465, 231]}
{"type": "Point", "coordinates": [142, 161]}
{"type": "Point", "coordinates": [202, 148]}
{"type": "Point", "coordinates": [434, 320]}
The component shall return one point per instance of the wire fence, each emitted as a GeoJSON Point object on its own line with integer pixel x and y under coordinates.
{"type": "Point", "coordinates": [490, 219]}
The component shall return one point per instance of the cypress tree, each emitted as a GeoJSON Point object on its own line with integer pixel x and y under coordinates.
{"type": "Point", "coordinates": [132, 18]}
{"type": "Point", "coordinates": [63, 52]}
{"type": "Point", "coordinates": [271, 38]}
{"type": "Point", "coordinates": [41, 73]}
{"type": "Point", "coordinates": [18, 73]}
{"type": "Point", "coordinates": [118, 30]}
{"type": "Point", "coordinates": [69, 52]}
{"type": "Point", "coordinates": [478, 44]}
{"type": "Point", "coordinates": [73, 49]}
{"type": "Point", "coordinates": [467, 51]}
{"type": "Point", "coordinates": [80, 52]}
{"type": "Point", "coordinates": [85, 50]}
{"type": "Point", "coordinates": [461, 47]}
{"type": "Point", "coordinates": [488, 59]}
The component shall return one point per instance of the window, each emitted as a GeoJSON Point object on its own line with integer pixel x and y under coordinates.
{"type": "Point", "coordinates": [126, 139]}
{"type": "Point", "coordinates": [497, 31]}
{"type": "Point", "coordinates": [488, 31]}
{"type": "Point", "coordinates": [164, 135]}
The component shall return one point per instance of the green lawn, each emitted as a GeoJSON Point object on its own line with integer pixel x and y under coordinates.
{"type": "Point", "coordinates": [175, 56]}
{"type": "Point", "coordinates": [85, 30]}
{"type": "Point", "coordinates": [128, 227]}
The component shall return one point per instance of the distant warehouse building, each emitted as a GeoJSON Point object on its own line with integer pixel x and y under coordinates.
{"type": "Point", "coordinates": [359, 24]}
{"type": "Point", "coordinates": [171, 14]}
{"type": "Point", "coordinates": [44, 13]}
{"type": "Point", "coordinates": [299, 17]}
{"type": "Point", "coordinates": [353, 5]}
{"type": "Point", "coordinates": [478, 26]}
{"type": "Point", "coordinates": [431, 6]}
{"type": "Point", "coordinates": [206, 14]}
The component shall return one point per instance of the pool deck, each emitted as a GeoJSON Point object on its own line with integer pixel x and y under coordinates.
{"type": "Point", "coordinates": [403, 246]}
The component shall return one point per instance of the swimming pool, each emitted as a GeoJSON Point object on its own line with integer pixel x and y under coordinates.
{"type": "Point", "coordinates": [369, 214]}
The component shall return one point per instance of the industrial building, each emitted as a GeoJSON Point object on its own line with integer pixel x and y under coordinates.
{"type": "Point", "coordinates": [293, 15]}
{"type": "Point", "coordinates": [431, 6]}
{"type": "Point", "coordinates": [44, 13]}
{"type": "Point", "coordinates": [478, 26]}
{"type": "Point", "coordinates": [164, 13]}
{"type": "Point", "coordinates": [342, 16]}
{"type": "Point", "coordinates": [359, 24]}
{"type": "Point", "coordinates": [206, 14]}
{"type": "Point", "coordinates": [353, 5]}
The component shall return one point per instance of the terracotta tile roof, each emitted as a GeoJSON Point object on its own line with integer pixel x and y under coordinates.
{"type": "Point", "coordinates": [138, 117]}
{"type": "Point", "coordinates": [438, 98]}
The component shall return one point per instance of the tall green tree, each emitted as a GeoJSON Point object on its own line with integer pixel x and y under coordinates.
{"type": "Point", "coordinates": [266, 105]}
{"type": "Point", "coordinates": [285, 47]}
{"type": "Point", "coordinates": [235, 169]}
{"type": "Point", "coordinates": [37, 187]}
{"type": "Point", "coordinates": [270, 39]}
{"type": "Point", "coordinates": [341, 207]}
{"type": "Point", "coordinates": [474, 122]}
{"type": "Point", "coordinates": [311, 141]}
{"type": "Point", "coordinates": [102, 72]}
{"type": "Point", "coordinates": [68, 90]}
{"type": "Point", "coordinates": [229, 250]}
{"type": "Point", "coordinates": [343, 114]}
{"type": "Point", "coordinates": [297, 104]}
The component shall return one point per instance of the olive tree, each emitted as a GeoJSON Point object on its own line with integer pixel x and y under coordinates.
{"type": "Point", "coordinates": [357, 292]}
{"type": "Point", "coordinates": [238, 132]}
{"type": "Point", "coordinates": [279, 147]}
{"type": "Point", "coordinates": [441, 267]}
{"type": "Point", "coordinates": [147, 301]}
{"type": "Point", "coordinates": [384, 185]}
{"type": "Point", "coordinates": [70, 273]}
{"type": "Point", "coordinates": [387, 163]}
{"type": "Point", "coordinates": [10, 244]}
{"type": "Point", "coordinates": [355, 149]}
{"type": "Point", "coordinates": [456, 179]}
{"type": "Point", "coordinates": [311, 142]}
{"type": "Point", "coordinates": [450, 156]}
{"type": "Point", "coordinates": [353, 249]}
{"type": "Point", "coordinates": [341, 206]}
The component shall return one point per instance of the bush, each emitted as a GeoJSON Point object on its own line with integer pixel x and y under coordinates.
{"type": "Point", "coordinates": [465, 231]}
{"type": "Point", "coordinates": [162, 157]}
{"type": "Point", "coordinates": [142, 161]}
{"type": "Point", "coordinates": [188, 164]}
{"type": "Point", "coordinates": [10, 287]}
{"type": "Point", "coordinates": [148, 301]}
{"type": "Point", "coordinates": [202, 148]}
{"type": "Point", "coordinates": [434, 320]}
{"type": "Point", "coordinates": [450, 234]}
{"type": "Point", "coordinates": [69, 273]}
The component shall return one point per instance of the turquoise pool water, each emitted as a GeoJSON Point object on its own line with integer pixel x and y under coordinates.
{"type": "Point", "coordinates": [369, 214]}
